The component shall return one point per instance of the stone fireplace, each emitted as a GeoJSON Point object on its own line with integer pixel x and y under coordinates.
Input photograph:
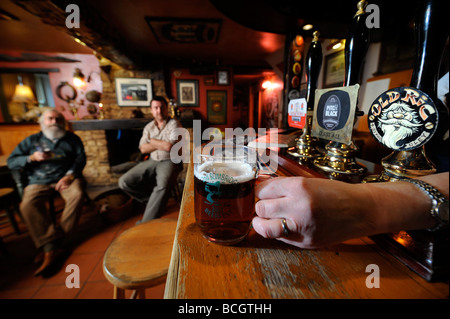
{"type": "Point", "coordinates": [103, 139]}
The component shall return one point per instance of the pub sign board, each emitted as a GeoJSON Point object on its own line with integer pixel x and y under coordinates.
{"type": "Point", "coordinates": [334, 113]}
{"type": "Point", "coordinates": [403, 118]}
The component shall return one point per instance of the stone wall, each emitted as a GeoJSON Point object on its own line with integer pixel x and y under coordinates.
{"type": "Point", "coordinates": [110, 108]}
{"type": "Point", "coordinates": [98, 171]}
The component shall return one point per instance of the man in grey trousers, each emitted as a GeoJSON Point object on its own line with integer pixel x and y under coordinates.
{"type": "Point", "coordinates": [148, 181]}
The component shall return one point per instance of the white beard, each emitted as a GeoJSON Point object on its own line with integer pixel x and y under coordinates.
{"type": "Point", "coordinates": [395, 132]}
{"type": "Point", "coordinates": [53, 132]}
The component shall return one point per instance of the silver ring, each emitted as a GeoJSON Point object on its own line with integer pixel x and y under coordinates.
{"type": "Point", "coordinates": [285, 228]}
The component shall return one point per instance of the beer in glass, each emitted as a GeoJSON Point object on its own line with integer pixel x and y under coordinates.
{"type": "Point", "coordinates": [224, 186]}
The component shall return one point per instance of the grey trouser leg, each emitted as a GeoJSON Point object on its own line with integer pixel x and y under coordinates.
{"type": "Point", "coordinates": [148, 181]}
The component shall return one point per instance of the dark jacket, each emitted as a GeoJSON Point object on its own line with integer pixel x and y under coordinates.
{"type": "Point", "coordinates": [68, 157]}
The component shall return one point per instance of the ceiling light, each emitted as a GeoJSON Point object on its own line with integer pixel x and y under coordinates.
{"type": "Point", "coordinates": [307, 27]}
{"type": "Point", "coordinates": [79, 41]}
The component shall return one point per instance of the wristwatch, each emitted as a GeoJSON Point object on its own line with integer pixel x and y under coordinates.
{"type": "Point", "coordinates": [439, 204]}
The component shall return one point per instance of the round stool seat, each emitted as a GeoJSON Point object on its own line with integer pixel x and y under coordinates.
{"type": "Point", "coordinates": [139, 257]}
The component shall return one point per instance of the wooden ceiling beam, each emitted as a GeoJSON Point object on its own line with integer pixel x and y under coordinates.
{"type": "Point", "coordinates": [94, 31]}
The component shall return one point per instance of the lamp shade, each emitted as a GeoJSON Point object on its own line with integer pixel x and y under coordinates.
{"type": "Point", "coordinates": [23, 94]}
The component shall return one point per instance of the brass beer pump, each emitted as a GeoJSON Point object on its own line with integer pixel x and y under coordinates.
{"type": "Point", "coordinates": [424, 251]}
{"type": "Point", "coordinates": [339, 161]}
{"type": "Point", "coordinates": [305, 149]}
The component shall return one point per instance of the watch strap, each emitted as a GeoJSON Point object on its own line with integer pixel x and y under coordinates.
{"type": "Point", "coordinates": [436, 199]}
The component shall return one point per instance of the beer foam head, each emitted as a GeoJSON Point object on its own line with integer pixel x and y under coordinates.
{"type": "Point", "coordinates": [227, 173]}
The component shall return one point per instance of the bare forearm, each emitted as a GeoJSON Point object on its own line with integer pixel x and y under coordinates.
{"type": "Point", "coordinates": [403, 206]}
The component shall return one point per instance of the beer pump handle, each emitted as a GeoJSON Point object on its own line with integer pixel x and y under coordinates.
{"type": "Point", "coordinates": [356, 46]}
{"type": "Point", "coordinates": [339, 161]}
{"type": "Point", "coordinates": [313, 66]}
{"type": "Point", "coordinates": [431, 30]}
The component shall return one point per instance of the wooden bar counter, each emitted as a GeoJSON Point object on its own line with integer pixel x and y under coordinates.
{"type": "Point", "coordinates": [259, 268]}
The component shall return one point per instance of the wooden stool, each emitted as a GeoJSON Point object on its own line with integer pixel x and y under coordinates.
{"type": "Point", "coordinates": [139, 257]}
{"type": "Point", "coordinates": [9, 202]}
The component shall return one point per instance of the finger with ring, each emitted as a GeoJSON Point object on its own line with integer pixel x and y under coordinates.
{"type": "Point", "coordinates": [285, 228]}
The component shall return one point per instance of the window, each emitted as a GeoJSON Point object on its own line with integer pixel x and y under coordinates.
{"type": "Point", "coordinates": [19, 111]}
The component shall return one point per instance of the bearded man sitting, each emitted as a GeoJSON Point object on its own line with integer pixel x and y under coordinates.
{"type": "Point", "coordinates": [52, 160]}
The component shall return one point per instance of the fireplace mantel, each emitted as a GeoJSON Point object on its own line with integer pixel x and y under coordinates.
{"type": "Point", "coordinates": [109, 124]}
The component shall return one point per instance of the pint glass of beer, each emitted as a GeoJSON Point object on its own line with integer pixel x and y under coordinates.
{"type": "Point", "coordinates": [224, 186]}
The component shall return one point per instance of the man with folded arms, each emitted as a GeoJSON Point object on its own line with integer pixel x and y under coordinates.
{"type": "Point", "coordinates": [148, 181]}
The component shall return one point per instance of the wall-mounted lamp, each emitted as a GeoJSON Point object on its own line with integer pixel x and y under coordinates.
{"type": "Point", "coordinates": [78, 78]}
{"type": "Point", "coordinates": [337, 46]}
{"type": "Point", "coordinates": [266, 84]}
{"type": "Point", "coordinates": [23, 94]}
{"type": "Point", "coordinates": [271, 85]}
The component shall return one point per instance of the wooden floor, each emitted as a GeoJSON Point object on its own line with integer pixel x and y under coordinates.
{"type": "Point", "coordinates": [92, 239]}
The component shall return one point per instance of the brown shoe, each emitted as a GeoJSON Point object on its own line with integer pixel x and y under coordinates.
{"type": "Point", "coordinates": [49, 259]}
{"type": "Point", "coordinates": [39, 258]}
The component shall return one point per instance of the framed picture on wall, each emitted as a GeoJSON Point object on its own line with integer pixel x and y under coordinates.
{"type": "Point", "coordinates": [217, 106]}
{"type": "Point", "coordinates": [223, 77]}
{"type": "Point", "coordinates": [334, 69]}
{"type": "Point", "coordinates": [187, 92]}
{"type": "Point", "coordinates": [133, 92]}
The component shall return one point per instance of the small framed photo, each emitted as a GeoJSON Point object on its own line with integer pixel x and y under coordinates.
{"type": "Point", "coordinates": [334, 70]}
{"type": "Point", "coordinates": [217, 106]}
{"type": "Point", "coordinates": [134, 92]}
{"type": "Point", "coordinates": [223, 77]}
{"type": "Point", "coordinates": [187, 92]}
